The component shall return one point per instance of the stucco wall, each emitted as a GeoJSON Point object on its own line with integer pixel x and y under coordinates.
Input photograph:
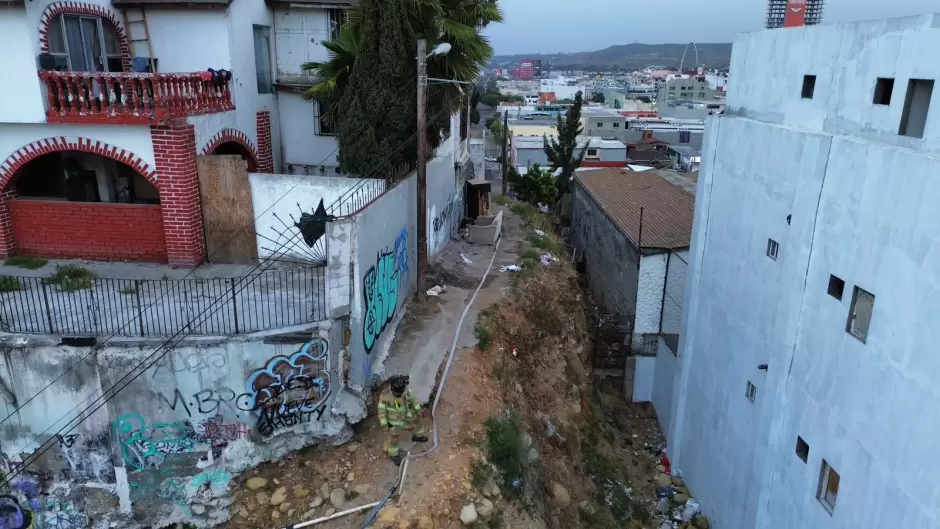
{"type": "Point", "coordinates": [276, 196]}
{"type": "Point", "coordinates": [302, 144]}
{"type": "Point", "coordinates": [190, 40]}
{"type": "Point", "coordinates": [445, 204]}
{"type": "Point", "coordinates": [298, 34]}
{"type": "Point", "coordinates": [166, 448]}
{"type": "Point", "coordinates": [649, 296]}
{"type": "Point", "coordinates": [611, 260]}
{"type": "Point", "coordinates": [21, 98]}
{"type": "Point", "coordinates": [675, 289]}
{"type": "Point", "coordinates": [134, 139]}
{"type": "Point", "coordinates": [664, 377]}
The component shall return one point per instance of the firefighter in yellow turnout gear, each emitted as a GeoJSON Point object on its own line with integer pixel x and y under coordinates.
{"type": "Point", "coordinates": [398, 415]}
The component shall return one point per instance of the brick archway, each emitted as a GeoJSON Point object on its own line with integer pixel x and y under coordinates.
{"type": "Point", "coordinates": [82, 8]}
{"type": "Point", "coordinates": [80, 229]}
{"type": "Point", "coordinates": [233, 136]}
{"type": "Point", "coordinates": [34, 150]}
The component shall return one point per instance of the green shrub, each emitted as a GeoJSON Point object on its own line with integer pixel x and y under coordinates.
{"type": "Point", "coordinates": [25, 261]}
{"type": "Point", "coordinates": [9, 284]}
{"type": "Point", "coordinates": [70, 278]}
{"type": "Point", "coordinates": [502, 200]}
{"type": "Point", "coordinates": [504, 447]}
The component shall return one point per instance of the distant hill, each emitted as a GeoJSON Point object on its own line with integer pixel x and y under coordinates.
{"type": "Point", "coordinates": [627, 57]}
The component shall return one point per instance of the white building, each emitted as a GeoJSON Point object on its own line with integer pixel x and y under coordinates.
{"type": "Point", "coordinates": [807, 394]}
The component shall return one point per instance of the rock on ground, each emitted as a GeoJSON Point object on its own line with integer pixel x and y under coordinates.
{"type": "Point", "coordinates": [338, 498]}
{"type": "Point", "coordinates": [256, 483]}
{"type": "Point", "coordinates": [485, 508]}
{"type": "Point", "coordinates": [468, 514]}
{"type": "Point", "coordinates": [561, 495]}
{"type": "Point", "coordinates": [664, 480]}
{"type": "Point", "coordinates": [279, 496]}
{"type": "Point", "coordinates": [389, 514]}
{"type": "Point", "coordinates": [425, 522]}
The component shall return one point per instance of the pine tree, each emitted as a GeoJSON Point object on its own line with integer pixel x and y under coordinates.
{"type": "Point", "coordinates": [377, 113]}
{"type": "Point", "coordinates": [562, 149]}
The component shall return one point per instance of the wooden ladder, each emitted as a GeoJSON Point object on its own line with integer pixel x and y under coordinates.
{"type": "Point", "coordinates": [132, 34]}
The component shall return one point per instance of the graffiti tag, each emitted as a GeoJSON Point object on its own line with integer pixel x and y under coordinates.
{"type": "Point", "coordinates": [144, 447]}
{"type": "Point", "coordinates": [13, 516]}
{"type": "Point", "coordinates": [207, 401]}
{"type": "Point", "coordinates": [380, 288]}
{"type": "Point", "coordinates": [193, 362]}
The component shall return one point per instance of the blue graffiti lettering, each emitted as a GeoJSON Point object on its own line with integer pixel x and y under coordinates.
{"type": "Point", "coordinates": [380, 289]}
{"type": "Point", "coordinates": [146, 448]}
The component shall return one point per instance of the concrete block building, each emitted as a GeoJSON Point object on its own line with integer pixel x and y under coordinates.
{"type": "Point", "coordinates": [806, 393]}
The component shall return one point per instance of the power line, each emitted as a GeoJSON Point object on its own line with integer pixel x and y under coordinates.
{"type": "Point", "coordinates": [98, 346]}
{"type": "Point", "coordinates": [51, 440]}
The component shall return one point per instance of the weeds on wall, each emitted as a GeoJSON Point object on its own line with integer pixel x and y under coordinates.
{"type": "Point", "coordinates": [70, 278]}
{"type": "Point", "coordinates": [9, 284]}
{"type": "Point", "coordinates": [23, 261]}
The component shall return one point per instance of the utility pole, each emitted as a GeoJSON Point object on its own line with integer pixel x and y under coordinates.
{"type": "Point", "coordinates": [505, 142]}
{"type": "Point", "coordinates": [422, 170]}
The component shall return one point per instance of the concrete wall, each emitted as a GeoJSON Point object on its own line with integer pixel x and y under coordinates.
{"type": "Point", "coordinates": [134, 139]}
{"type": "Point", "coordinates": [188, 40]}
{"type": "Point", "coordinates": [663, 383]}
{"type": "Point", "coordinates": [166, 448]}
{"type": "Point", "coordinates": [21, 98]}
{"type": "Point", "coordinates": [649, 297]}
{"type": "Point", "coordinates": [675, 288]}
{"type": "Point", "coordinates": [303, 145]}
{"type": "Point", "coordinates": [275, 198]}
{"type": "Point", "coordinates": [298, 34]}
{"type": "Point", "coordinates": [611, 260]}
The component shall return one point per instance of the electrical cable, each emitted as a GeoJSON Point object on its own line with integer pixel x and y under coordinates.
{"type": "Point", "coordinates": [51, 439]}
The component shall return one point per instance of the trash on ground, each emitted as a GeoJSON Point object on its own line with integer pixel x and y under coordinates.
{"type": "Point", "coordinates": [548, 259]}
{"type": "Point", "coordinates": [540, 233]}
{"type": "Point", "coordinates": [465, 260]}
{"type": "Point", "coordinates": [510, 268]}
{"type": "Point", "coordinates": [435, 291]}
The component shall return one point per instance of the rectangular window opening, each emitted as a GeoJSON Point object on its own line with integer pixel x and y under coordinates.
{"type": "Point", "coordinates": [863, 303]}
{"type": "Point", "coordinates": [324, 127]}
{"type": "Point", "coordinates": [773, 248]}
{"type": "Point", "coordinates": [592, 152]}
{"type": "Point", "coordinates": [809, 86]}
{"type": "Point", "coordinates": [916, 106]}
{"type": "Point", "coordinates": [802, 449]}
{"type": "Point", "coordinates": [828, 487]}
{"type": "Point", "coordinates": [265, 80]}
{"type": "Point", "coordinates": [836, 287]}
{"type": "Point", "coordinates": [751, 391]}
{"type": "Point", "coordinates": [883, 89]}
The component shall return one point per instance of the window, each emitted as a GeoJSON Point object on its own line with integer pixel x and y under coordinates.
{"type": "Point", "coordinates": [616, 125]}
{"type": "Point", "coordinates": [751, 393]}
{"type": "Point", "coordinates": [82, 43]}
{"type": "Point", "coordinates": [263, 59]}
{"type": "Point", "coordinates": [836, 287]}
{"type": "Point", "coordinates": [337, 21]}
{"type": "Point", "coordinates": [773, 247]}
{"type": "Point", "coordinates": [324, 127]}
{"type": "Point", "coordinates": [916, 106]}
{"type": "Point", "coordinates": [828, 487]}
{"type": "Point", "coordinates": [600, 124]}
{"type": "Point", "coordinates": [883, 88]}
{"type": "Point", "coordinates": [863, 303]}
{"type": "Point", "coordinates": [809, 86]}
{"type": "Point", "coordinates": [592, 153]}
{"type": "Point", "coordinates": [802, 449]}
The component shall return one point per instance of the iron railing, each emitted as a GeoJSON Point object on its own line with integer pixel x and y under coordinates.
{"type": "Point", "coordinates": [367, 190]}
{"type": "Point", "coordinates": [160, 308]}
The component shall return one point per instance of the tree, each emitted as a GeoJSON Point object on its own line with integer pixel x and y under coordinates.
{"type": "Point", "coordinates": [376, 115]}
{"type": "Point", "coordinates": [598, 97]}
{"type": "Point", "coordinates": [645, 99]}
{"type": "Point", "coordinates": [537, 186]}
{"type": "Point", "coordinates": [617, 103]}
{"type": "Point", "coordinates": [457, 22]}
{"type": "Point", "coordinates": [562, 149]}
{"type": "Point", "coordinates": [474, 113]}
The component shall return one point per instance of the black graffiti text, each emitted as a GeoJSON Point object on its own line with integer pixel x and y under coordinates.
{"type": "Point", "coordinates": [270, 420]}
{"type": "Point", "coordinates": [207, 401]}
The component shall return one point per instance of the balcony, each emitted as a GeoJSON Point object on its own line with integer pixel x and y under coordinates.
{"type": "Point", "coordinates": [132, 98]}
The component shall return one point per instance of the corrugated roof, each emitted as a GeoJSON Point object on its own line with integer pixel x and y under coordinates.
{"type": "Point", "coordinates": [667, 209]}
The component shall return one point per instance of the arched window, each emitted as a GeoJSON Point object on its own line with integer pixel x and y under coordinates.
{"type": "Point", "coordinates": [84, 43]}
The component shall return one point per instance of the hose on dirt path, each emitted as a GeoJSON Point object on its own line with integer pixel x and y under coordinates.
{"type": "Point", "coordinates": [437, 396]}
{"type": "Point", "coordinates": [400, 484]}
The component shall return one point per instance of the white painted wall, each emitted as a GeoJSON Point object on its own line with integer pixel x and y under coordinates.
{"type": "Point", "coordinates": [299, 33]}
{"type": "Point", "coordinates": [768, 68]}
{"type": "Point", "coordinates": [280, 193]}
{"type": "Point", "coordinates": [21, 97]}
{"type": "Point", "coordinates": [302, 144]}
{"type": "Point", "coordinates": [675, 288]}
{"type": "Point", "coordinates": [643, 378]}
{"type": "Point", "coordinates": [649, 294]}
{"type": "Point", "coordinates": [664, 376]}
{"type": "Point", "coordinates": [132, 138]}
{"type": "Point", "coordinates": [869, 409]}
{"type": "Point", "coordinates": [188, 40]}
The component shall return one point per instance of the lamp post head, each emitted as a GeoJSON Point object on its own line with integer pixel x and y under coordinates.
{"type": "Point", "coordinates": [441, 49]}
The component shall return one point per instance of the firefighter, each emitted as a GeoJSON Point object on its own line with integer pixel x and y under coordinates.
{"type": "Point", "coordinates": [398, 411]}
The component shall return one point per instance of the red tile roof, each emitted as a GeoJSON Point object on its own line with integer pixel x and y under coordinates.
{"type": "Point", "coordinates": [667, 209]}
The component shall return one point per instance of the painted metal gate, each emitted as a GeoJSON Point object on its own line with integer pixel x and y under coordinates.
{"type": "Point", "coordinates": [227, 210]}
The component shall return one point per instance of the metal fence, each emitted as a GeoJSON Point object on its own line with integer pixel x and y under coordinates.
{"type": "Point", "coordinates": [138, 307]}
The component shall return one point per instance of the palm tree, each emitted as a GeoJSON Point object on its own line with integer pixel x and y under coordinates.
{"type": "Point", "coordinates": [457, 22]}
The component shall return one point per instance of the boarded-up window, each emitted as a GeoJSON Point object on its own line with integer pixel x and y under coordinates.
{"type": "Point", "coordinates": [863, 303]}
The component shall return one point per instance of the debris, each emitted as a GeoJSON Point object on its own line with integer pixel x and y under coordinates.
{"type": "Point", "coordinates": [691, 509]}
{"type": "Point", "coordinates": [510, 268]}
{"type": "Point", "coordinates": [548, 259]}
{"type": "Point", "coordinates": [465, 260]}
{"type": "Point", "coordinates": [435, 291]}
{"type": "Point", "coordinates": [540, 233]}
{"type": "Point", "coordinates": [587, 509]}
{"type": "Point", "coordinates": [561, 495]}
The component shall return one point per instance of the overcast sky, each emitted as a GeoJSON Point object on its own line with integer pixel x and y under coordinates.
{"type": "Point", "coordinates": [549, 26]}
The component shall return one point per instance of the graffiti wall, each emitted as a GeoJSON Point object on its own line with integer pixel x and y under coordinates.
{"type": "Point", "coordinates": [167, 447]}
